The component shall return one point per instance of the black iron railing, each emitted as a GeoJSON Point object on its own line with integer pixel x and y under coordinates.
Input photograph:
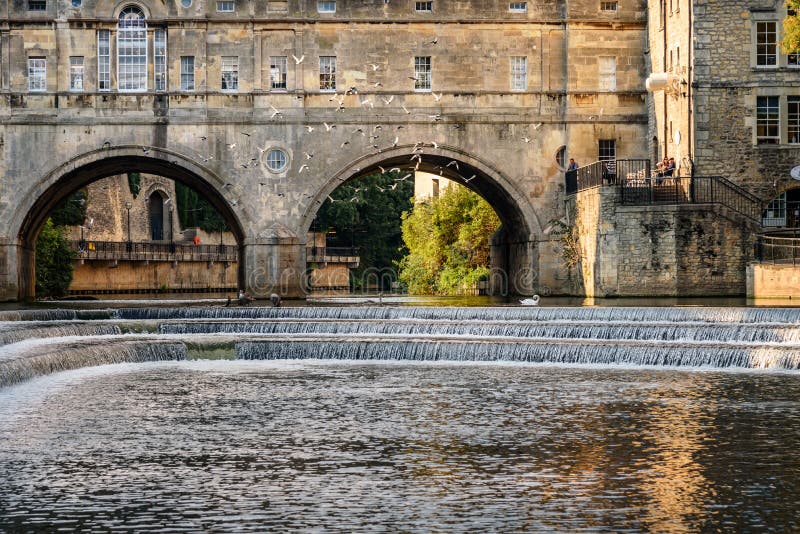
{"type": "Point", "coordinates": [144, 251]}
{"type": "Point", "coordinates": [778, 250]}
{"type": "Point", "coordinates": [318, 253]}
{"type": "Point", "coordinates": [602, 173]}
{"type": "Point", "coordinates": [690, 190]}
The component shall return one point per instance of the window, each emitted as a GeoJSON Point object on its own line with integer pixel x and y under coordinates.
{"type": "Point", "coordinates": [226, 6]}
{"type": "Point", "coordinates": [423, 7]}
{"type": "Point", "coordinates": [608, 73]}
{"type": "Point", "coordinates": [76, 73]}
{"type": "Point", "coordinates": [276, 160]}
{"type": "Point", "coordinates": [277, 72]}
{"type": "Point", "coordinates": [37, 5]}
{"type": "Point", "coordinates": [775, 214]}
{"type": "Point", "coordinates": [608, 7]}
{"type": "Point", "coordinates": [132, 50]}
{"type": "Point", "coordinates": [186, 3]}
{"type": "Point", "coordinates": [518, 7]}
{"type": "Point", "coordinates": [793, 115]}
{"type": "Point", "coordinates": [561, 157]}
{"type": "Point", "coordinates": [607, 151]}
{"type": "Point", "coordinates": [327, 73]}
{"type": "Point", "coordinates": [767, 120]}
{"type": "Point", "coordinates": [37, 74]}
{"type": "Point", "coordinates": [793, 60]}
{"type": "Point", "coordinates": [76, 3]}
{"type": "Point", "coordinates": [766, 44]}
{"type": "Point", "coordinates": [160, 60]}
{"type": "Point", "coordinates": [230, 73]}
{"type": "Point", "coordinates": [326, 7]}
{"type": "Point", "coordinates": [422, 73]}
{"type": "Point", "coordinates": [187, 73]}
{"type": "Point", "coordinates": [519, 73]}
{"type": "Point", "coordinates": [103, 60]}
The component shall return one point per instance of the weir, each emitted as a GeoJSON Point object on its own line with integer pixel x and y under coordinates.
{"type": "Point", "coordinates": [37, 342]}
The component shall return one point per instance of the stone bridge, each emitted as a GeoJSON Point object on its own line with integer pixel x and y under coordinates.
{"type": "Point", "coordinates": [508, 145]}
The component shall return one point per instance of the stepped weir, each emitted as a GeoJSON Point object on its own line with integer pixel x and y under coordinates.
{"type": "Point", "coordinates": [38, 342]}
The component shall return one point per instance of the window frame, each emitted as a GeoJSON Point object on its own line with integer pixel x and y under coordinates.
{"type": "Point", "coordinates": [269, 160]}
{"type": "Point", "coordinates": [37, 74]}
{"type": "Point", "coordinates": [225, 4]}
{"type": "Point", "coordinates": [327, 74]}
{"type": "Point", "coordinates": [278, 65]}
{"type": "Point", "coordinates": [793, 101]}
{"type": "Point", "coordinates": [604, 7]}
{"type": "Point", "coordinates": [423, 74]}
{"type": "Point", "coordinates": [36, 6]}
{"type": "Point", "coordinates": [324, 6]}
{"type": "Point", "coordinates": [607, 80]}
{"type": "Point", "coordinates": [187, 75]}
{"type": "Point", "coordinates": [229, 65]}
{"type": "Point", "coordinates": [518, 76]}
{"type": "Point", "coordinates": [768, 117]}
{"type": "Point", "coordinates": [765, 45]}
{"type": "Point", "coordinates": [518, 7]}
{"type": "Point", "coordinates": [607, 151]}
{"type": "Point", "coordinates": [132, 37]}
{"type": "Point", "coordinates": [426, 6]}
{"type": "Point", "coordinates": [160, 71]}
{"type": "Point", "coordinates": [104, 61]}
{"type": "Point", "coordinates": [77, 71]}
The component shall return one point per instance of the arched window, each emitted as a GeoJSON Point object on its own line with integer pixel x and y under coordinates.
{"type": "Point", "coordinates": [155, 207]}
{"type": "Point", "coordinates": [132, 50]}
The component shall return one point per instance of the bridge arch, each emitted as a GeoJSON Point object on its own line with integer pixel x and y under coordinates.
{"type": "Point", "coordinates": [514, 258]}
{"type": "Point", "coordinates": [60, 182]}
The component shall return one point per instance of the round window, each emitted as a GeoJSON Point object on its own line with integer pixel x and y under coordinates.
{"type": "Point", "coordinates": [276, 160]}
{"type": "Point", "coordinates": [561, 157]}
{"type": "Point", "coordinates": [186, 3]}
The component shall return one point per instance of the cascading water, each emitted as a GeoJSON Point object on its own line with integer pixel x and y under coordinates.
{"type": "Point", "coordinates": [696, 337]}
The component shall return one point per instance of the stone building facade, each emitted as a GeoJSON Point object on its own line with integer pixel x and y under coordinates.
{"type": "Point", "coordinates": [267, 106]}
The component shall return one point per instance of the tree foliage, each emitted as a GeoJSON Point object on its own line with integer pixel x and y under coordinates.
{"type": "Point", "coordinates": [448, 243]}
{"type": "Point", "coordinates": [53, 261]}
{"type": "Point", "coordinates": [366, 213]}
{"type": "Point", "coordinates": [134, 183]}
{"type": "Point", "coordinates": [71, 211]}
{"type": "Point", "coordinates": [791, 28]}
{"type": "Point", "coordinates": [195, 210]}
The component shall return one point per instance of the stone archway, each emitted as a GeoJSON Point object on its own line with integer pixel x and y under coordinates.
{"type": "Point", "coordinates": [514, 247]}
{"type": "Point", "coordinates": [33, 210]}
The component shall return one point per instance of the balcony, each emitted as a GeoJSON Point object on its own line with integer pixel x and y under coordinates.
{"type": "Point", "coordinates": [116, 251]}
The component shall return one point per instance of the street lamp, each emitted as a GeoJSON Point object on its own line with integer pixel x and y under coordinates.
{"type": "Point", "coordinates": [128, 206]}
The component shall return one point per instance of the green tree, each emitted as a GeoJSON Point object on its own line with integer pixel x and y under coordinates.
{"type": "Point", "coordinates": [366, 213]}
{"type": "Point", "coordinates": [71, 211]}
{"type": "Point", "coordinates": [195, 210]}
{"type": "Point", "coordinates": [791, 28]}
{"type": "Point", "coordinates": [53, 261]}
{"type": "Point", "coordinates": [448, 243]}
{"type": "Point", "coordinates": [134, 183]}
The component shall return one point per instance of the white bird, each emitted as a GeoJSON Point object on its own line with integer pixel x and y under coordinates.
{"type": "Point", "coordinates": [435, 118]}
{"type": "Point", "coordinates": [145, 150]}
{"type": "Point", "coordinates": [435, 144]}
{"type": "Point", "coordinates": [344, 144]}
{"type": "Point", "coordinates": [387, 101]}
{"type": "Point", "coordinates": [303, 167]}
{"type": "Point", "coordinates": [275, 111]}
{"type": "Point", "coordinates": [394, 169]}
{"type": "Point", "coordinates": [533, 301]}
{"type": "Point", "coordinates": [454, 162]}
{"type": "Point", "coordinates": [404, 109]}
{"type": "Point", "coordinates": [437, 97]}
{"type": "Point", "coordinates": [396, 140]}
{"type": "Point", "coordinates": [328, 127]}
{"type": "Point", "coordinates": [404, 178]}
{"type": "Point", "coordinates": [231, 146]}
{"type": "Point", "coordinates": [377, 84]}
{"type": "Point", "coordinates": [298, 60]}
{"type": "Point", "coordinates": [536, 127]}
{"type": "Point", "coordinates": [374, 66]}
{"type": "Point", "coordinates": [467, 180]}
{"type": "Point", "coordinates": [526, 139]}
{"type": "Point", "coordinates": [435, 40]}
{"type": "Point", "coordinates": [367, 102]}
{"type": "Point", "coordinates": [307, 155]}
{"type": "Point", "coordinates": [416, 156]}
{"type": "Point", "coordinates": [310, 128]}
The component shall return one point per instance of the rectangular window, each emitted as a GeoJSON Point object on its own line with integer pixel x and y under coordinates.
{"type": "Point", "coordinates": [326, 7]}
{"type": "Point", "coordinates": [607, 73]}
{"type": "Point", "coordinates": [103, 60]}
{"type": "Point", "coordinates": [226, 6]}
{"type": "Point", "coordinates": [519, 73]}
{"type": "Point", "coordinates": [327, 73]}
{"type": "Point", "coordinates": [423, 7]}
{"type": "Point", "coordinates": [76, 73]}
{"type": "Point", "coordinates": [768, 120]}
{"type": "Point", "coordinates": [793, 115]}
{"type": "Point", "coordinates": [160, 60]}
{"type": "Point", "coordinates": [187, 73]}
{"type": "Point", "coordinates": [767, 44]}
{"type": "Point", "coordinates": [277, 72]}
{"type": "Point", "coordinates": [37, 5]}
{"type": "Point", "coordinates": [793, 60]}
{"type": "Point", "coordinates": [230, 73]}
{"type": "Point", "coordinates": [37, 74]}
{"type": "Point", "coordinates": [518, 7]}
{"type": "Point", "coordinates": [775, 214]}
{"type": "Point", "coordinates": [608, 7]}
{"type": "Point", "coordinates": [607, 151]}
{"type": "Point", "coordinates": [422, 73]}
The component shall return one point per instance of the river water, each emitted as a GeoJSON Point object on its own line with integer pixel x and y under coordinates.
{"type": "Point", "coordinates": [425, 446]}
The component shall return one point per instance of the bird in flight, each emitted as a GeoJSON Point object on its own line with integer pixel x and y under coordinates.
{"type": "Point", "coordinates": [145, 150]}
{"type": "Point", "coordinates": [310, 128]}
{"type": "Point", "coordinates": [275, 111]}
{"type": "Point", "coordinates": [437, 97]}
{"type": "Point", "coordinates": [328, 127]}
{"type": "Point", "coordinates": [434, 41]}
{"type": "Point", "coordinates": [435, 118]}
{"type": "Point", "coordinates": [526, 139]}
{"type": "Point", "coordinates": [466, 180]}
{"type": "Point", "coordinates": [245, 134]}
{"type": "Point", "coordinates": [404, 109]}
{"type": "Point", "coordinates": [307, 155]}
{"type": "Point", "coordinates": [231, 146]}
{"type": "Point", "coordinates": [387, 101]}
{"type": "Point", "coordinates": [298, 60]}
{"type": "Point", "coordinates": [374, 66]}
{"type": "Point", "coordinates": [454, 162]}
{"type": "Point", "coordinates": [303, 167]}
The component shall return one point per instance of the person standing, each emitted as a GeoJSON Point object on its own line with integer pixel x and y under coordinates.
{"type": "Point", "coordinates": [572, 165]}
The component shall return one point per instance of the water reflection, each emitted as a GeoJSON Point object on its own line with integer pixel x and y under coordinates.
{"type": "Point", "coordinates": [411, 447]}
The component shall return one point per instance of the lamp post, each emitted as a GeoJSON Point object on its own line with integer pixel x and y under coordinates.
{"type": "Point", "coordinates": [128, 206]}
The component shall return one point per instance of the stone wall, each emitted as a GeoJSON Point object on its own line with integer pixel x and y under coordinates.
{"type": "Point", "coordinates": [670, 250]}
{"type": "Point", "coordinates": [126, 277]}
{"type": "Point", "coordinates": [773, 281]}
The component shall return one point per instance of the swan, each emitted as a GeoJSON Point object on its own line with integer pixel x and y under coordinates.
{"type": "Point", "coordinates": [533, 301]}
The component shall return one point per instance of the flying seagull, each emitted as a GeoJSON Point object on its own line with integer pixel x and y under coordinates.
{"type": "Point", "coordinates": [298, 60]}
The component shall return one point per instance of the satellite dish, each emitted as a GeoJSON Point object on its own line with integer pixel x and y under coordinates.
{"type": "Point", "coordinates": [795, 172]}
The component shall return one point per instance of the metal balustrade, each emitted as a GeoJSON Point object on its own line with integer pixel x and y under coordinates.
{"type": "Point", "coordinates": [778, 250]}
{"type": "Point", "coordinates": [149, 251]}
